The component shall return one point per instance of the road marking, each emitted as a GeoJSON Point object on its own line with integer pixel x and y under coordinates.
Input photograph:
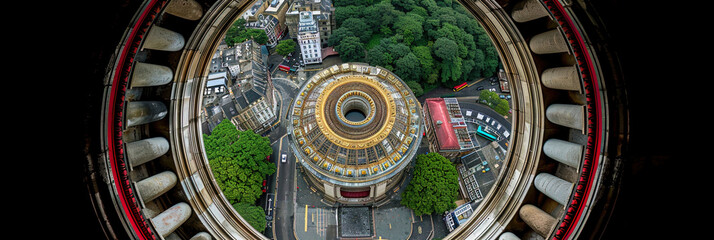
{"type": "Point", "coordinates": [305, 217]}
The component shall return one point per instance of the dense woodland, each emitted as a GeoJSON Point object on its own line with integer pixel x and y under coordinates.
{"type": "Point", "coordinates": [239, 165]}
{"type": "Point", "coordinates": [425, 42]}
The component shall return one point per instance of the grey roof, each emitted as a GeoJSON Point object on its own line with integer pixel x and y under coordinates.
{"type": "Point", "coordinates": [253, 74]}
{"type": "Point", "coordinates": [228, 107]}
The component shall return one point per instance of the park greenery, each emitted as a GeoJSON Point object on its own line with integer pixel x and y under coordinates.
{"type": "Point", "coordinates": [254, 215]}
{"type": "Point", "coordinates": [285, 47]}
{"type": "Point", "coordinates": [425, 42]}
{"type": "Point", "coordinates": [238, 33]}
{"type": "Point", "coordinates": [239, 165]}
{"type": "Point", "coordinates": [496, 103]}
{"type": "Point", "coordinates": [434, 186]}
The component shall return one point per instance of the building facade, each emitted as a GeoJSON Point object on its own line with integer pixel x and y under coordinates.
{"type": "Point", "coordinates": [354, 128]}
{"type": "Point", "coordinates": [269, 16]}
{"type": "Point", "coordinates": [309, 39]}
{"type": "Point", "coordinates": [253, 89]}
{"type": "Point", "coordinates": [322, 12]}
{"type": "Point", "coordinates": [240, 89]}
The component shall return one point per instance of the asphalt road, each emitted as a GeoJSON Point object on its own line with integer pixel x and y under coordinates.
{"type": "Point", "coordinates": [284, 189]}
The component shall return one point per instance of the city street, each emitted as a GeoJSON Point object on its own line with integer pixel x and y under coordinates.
{"type": "Point", "coordinates": [284, 198]}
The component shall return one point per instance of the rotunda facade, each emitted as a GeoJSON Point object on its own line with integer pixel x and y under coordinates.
{"type": "Point", "coordinates": [354, 128]}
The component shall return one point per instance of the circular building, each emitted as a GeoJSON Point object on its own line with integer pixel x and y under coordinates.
{"type": "Point", "coordinates": [354, 128]}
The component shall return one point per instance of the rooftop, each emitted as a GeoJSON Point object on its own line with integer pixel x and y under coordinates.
{"type": "Point", "coordinates": [445, 134]}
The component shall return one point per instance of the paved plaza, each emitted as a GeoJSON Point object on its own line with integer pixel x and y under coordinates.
{"type": "Point", "coordinates": [316, 219]}
{"type": "Point", "coordinates": [355, 222]}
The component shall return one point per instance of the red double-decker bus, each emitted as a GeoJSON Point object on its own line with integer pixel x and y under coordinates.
{"type": "Point", "coordinates": [284, 68]}
{"type": "Point", "coordinates": [460, 86]}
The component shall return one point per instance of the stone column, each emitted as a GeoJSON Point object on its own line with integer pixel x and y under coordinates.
{"type": "Point", "coordinates": [142, 112]}
{"type": "Point", "coordinates": [554, 187]}
{"type": "Point", "coordinates": [142, 151]}
{"type": "Point", "coordinates": [568, 115]}
{"type": "Point", "coordinates": [540, 221]}
{"type": "Point", "coordinates": [146, 75]}
{"type": "Point", "coordinates": [528, 10]}
{"type": "Point", "coordinates": [186, 9]}
{"type": "Point", "coordinates": [329, 189]}
{"type": "Point", "coordinates": [168, 221]}
{"type": "Point", "coordinates": [163, 39]}
{"type": "Point", "coordinates": [154, 186]}
{"type": "Point", "coordinates": [508, 236]}
{"type": "Point", "coordinates": [201, 236]}
{"type": "Point", "coordinates": [380, 189]}
{"type": "Point", "coordinates": [548, 42]}
{"type": "Point", "coordinates": [564, 78]}
{"type": "Point", "coordinates": [564, 152]}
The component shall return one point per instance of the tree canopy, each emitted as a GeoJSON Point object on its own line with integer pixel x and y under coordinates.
{"type": "Point", "coordinates": [237, 159]}
{"type": "Point", "coordinates": [351, 49]}
{"type": "Point", "coordinates": [254, 215]}
{"type": "Point", "coordinates": [434, 186]}
{"type": "Point", "coordinates": [285, 47]}
{"type": "Point", "coordinates": [492, 100]}
{"type": "Point", "coordinates": [238, 33]}
{"type": "Point", "coordinates": [447, 41]}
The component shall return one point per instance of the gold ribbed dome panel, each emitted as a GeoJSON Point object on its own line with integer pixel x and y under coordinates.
{"type": "Point", "coordinates": [360, 150]}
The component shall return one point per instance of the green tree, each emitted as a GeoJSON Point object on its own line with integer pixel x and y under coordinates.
{"type": "Point", "coordinates": [448, 51]}
{"type": "Point", "coordinates": [445, 48]}
{"type": "Point", "coordinates": [397, 50]}
{"type": "Point", "coordinates": [237, 159]}
{"type": "Point", "coordinates": [256, 34]}
{"type": "Point", "coordinates": [378, 56]}
{"type": "Point", "coordinates": [351, 49]}
{"type": "Point", "coordinates": [426, 61]}
{"type": "Point", "coordinates": [236, 29]}
{"type": "Point", "coordinates": [405, 5]}
{"type": "Point", "coordinates": [490, 61]}
{"type": "Point", "coordinates": [357, 25]}
{"type": "Point", "coordinates": [416, 88]}
{"type": "Point", "coordinates": [342, 3]}
{"type": "Point", "coordinates": [487, 97]}
{"type": "Point", "coordinates": [337, 36]}
{"type": "Point", "coordinates": [254, 215]}
{"type": "Point", "coordinates": [502, 107]}
{"type": "Point", "coordinates": [410, 27]}
{"type": "Point", "coordinates": [492, 100]}
{"type": "Point", "coordinates": [343, 13]}
{"type": "Point", "coordinates": [285, 47]}
{"type": "Point", "coordinates": [434, 187]}
{"type": "Point", "coordinates": [380, 15]}
{"type": "Point", "coordinates": [238, 33]}
{"type": "Point", "coordinates": [408, 68]}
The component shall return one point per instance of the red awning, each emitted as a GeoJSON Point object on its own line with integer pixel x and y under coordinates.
{"type": "Point", "coordinates": [328, 51]}
{"type": "Point", "coordinates": [354, 194]}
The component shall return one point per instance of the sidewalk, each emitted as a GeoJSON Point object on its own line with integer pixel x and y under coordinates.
{"type": "Point", "coordinates": [316, 219]}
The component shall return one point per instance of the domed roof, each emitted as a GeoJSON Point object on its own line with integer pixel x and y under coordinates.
{"type": "Point", "coordinates": [355, 123]}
